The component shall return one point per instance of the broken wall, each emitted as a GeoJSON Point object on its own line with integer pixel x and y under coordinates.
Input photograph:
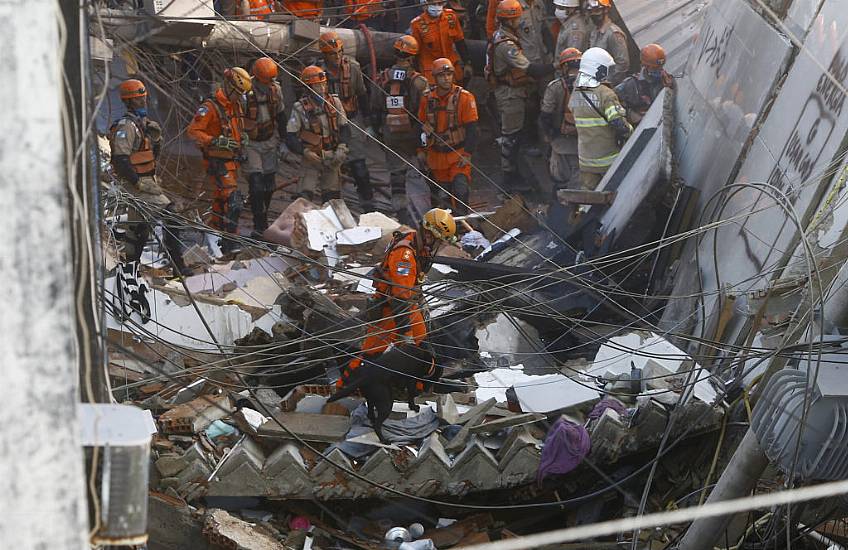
{"type": "Point", "coordinates": [739, 63]}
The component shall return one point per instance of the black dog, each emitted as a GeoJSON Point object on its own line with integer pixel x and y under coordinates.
{"type": "Point", "coordinates": [407, 365]}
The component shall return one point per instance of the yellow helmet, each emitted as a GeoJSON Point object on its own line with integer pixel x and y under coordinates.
{"type": "Point", "coordinates": [440, 223]}
{"type": "Point", "coordinates": [239, 78]}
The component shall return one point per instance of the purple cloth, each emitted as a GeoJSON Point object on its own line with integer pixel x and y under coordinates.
{"type": "Point", "coordinates": [566, 445]}
{"type": "Point", "coordinates": [604, 404]}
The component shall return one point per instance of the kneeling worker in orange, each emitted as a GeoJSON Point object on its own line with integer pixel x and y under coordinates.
{"type": "Point", "coordinates": [217, 129]}
{"type": "Point", "coordinates": [449, 135]}
{"type": "Point", "coordinates": [394, 310]}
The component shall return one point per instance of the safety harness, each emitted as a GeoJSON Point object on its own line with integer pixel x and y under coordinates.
{"type": "Point", "coordinates": [512, 77]}
{"type": "Point", "coordinates": [143, 160]}
{"type": "Point", "coordinates": [452, 137]}
{"type": "Point", "coordinates": [396, 82]}
{"type": "Point", "coordinates": [567, 128]}
{"type": "Point", "coordinates": [262, 131]}
{"type": "Point", "coordinates": [218, 153]}
{"type": "Point", "coordinates": [341, 86]}
{"type": "Point", "coordinates": [312, 134]}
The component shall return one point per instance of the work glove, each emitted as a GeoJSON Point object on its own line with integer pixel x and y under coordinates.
{"type": "Point", "coordinates": [223, 142]}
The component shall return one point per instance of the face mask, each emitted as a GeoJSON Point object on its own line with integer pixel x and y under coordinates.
{"type": "Point", "coordinates": [561, 14]}
{"type": "Point", "coordinates": [653, 74]}
{"type": "Point", "coordinates": [435, 10]}
{"type": "Point", "coordinates": [141, 111]}
{"type": "Point", "coordinates": [598, 19]}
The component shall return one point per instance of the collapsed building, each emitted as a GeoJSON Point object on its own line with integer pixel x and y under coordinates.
{"type": "Point", "coordinates": [669, 339]}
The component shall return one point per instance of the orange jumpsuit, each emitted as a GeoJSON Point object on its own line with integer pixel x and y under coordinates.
{"type": "Point", "coordinates": [257, 8]}
{"type": "Point", "coordinates": [363, 10]}
{"type": "Point", "coordinates": [399, 279]}
{"type": "Point", "coordinates": [308, 9]}
{"type": "Point", "coordinates": [448, 114]}
{"type": "Point", "coordinates": [436, 37]}
{"type": "Point", "coordinates": [221, 165]}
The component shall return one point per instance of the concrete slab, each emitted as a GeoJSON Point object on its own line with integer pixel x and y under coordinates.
{"type": "Point", "coordinates": [324, 428]}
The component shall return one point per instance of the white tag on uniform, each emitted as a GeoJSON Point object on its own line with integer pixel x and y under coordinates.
{"type": "Point", "coordinates": [394, 102]}
{"type": "Point", "coordinates": [398, 74]}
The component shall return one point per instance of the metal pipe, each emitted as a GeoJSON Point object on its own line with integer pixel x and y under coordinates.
{"type": "Point", "coordinates": [738, 480]}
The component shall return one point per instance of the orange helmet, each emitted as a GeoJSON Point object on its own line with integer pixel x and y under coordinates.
{"type": "Point", "coordinates": [442, 65]}
{"type": "Point", "coordinates": [265, 70]}
{"type": "Point", "coordinates": [313, 74]}
{"type": "Point", "coordinates": [132, 88]}
{"type": "Point", "coordinates": [570, 55]}
{"type": "Point", "coordinates": [597, 4]}
{"type": "Point", "coordinates": [653, 56]}
{"type": "Point", "coordinates": [406, 44]}
{"type": "Point", "coordinates": [509, 9]}
{"type": "Point", "coordinates": [239, 79]}
{"type": "Point", "coordinates": [329, 42]}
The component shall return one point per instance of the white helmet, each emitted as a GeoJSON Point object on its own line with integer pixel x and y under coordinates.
{"type": "Point", "coordinates": [594, 67]}
{"type": "Point", "coordinates": [567, 3]}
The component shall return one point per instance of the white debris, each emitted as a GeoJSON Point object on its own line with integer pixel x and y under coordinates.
{"type": "Point", "coordinates": [551, 393]}
{"type": "Point", "coordinates": [655, 356]}
{"type": "Point", "coordinates": [358, 235]}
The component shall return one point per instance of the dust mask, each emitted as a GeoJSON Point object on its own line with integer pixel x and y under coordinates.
{"type": "Point", "coordinates": [435, 10]}
{"type": "Point", "coordinates": [561, 14]}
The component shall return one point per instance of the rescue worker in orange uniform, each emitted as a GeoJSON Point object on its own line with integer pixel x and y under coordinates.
{"type": "Point", "coordinates": [394, 311]}
{"type": "Point", "coordinates": [371, 13]}
{"type": "Point", "coordinates": [254, 9]}
{"type": "Point", "coordinates": [217, 128]}
{"type": "Point", "coordinates": [135, 142]}
{"type": "Point", "coordinates": [438, 31]}
{"type": "Point", "coordinates": [345, 80]}
{"type": "Point", "coordinates": [557, 122]}
{"type": "Point", "coordinates": [265, 126]}
{"type": "Point", "coordinates": [306, 9]}
{"type": "Point", "coordinates": [318, 130]}
{"type": "Point", "coordinates": [394, 109]}
{"type": "Point", "coordinates": [448, 136]}
{"type": "Point", "coordinates": [638, 92]}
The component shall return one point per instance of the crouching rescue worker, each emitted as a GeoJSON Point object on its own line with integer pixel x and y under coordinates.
{"type": "Point", "coordinates": [135, 142]}
{"type": "Point", "coordinates": [639, 91]}
{"type": "Point", "coordinates": [217, 128]}
{"type": "Point", "coordinates": [394, 110]}
{"type": "Point", "coordinates": [513, 77]}
{"type": "Point", "coordinates": [394, 311]}
{"type": "Point", "coordinates": [602, 127]}
{"type": "Point", "coordinates": [557, 122]}
{"type": "Point", "coordinates": [344, 80]}
{"type": "Point", "coordinates": [448, 136]}
{"type": "Point", "coordinates": [265, 125]}
{"type": "Point", "coordinates": [318, 130]}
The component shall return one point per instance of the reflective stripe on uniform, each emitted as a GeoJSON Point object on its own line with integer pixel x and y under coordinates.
{"type": "Point", "coordinates": [613, 112]}
{"type": "Point", "coordinates": [591, 122]}
{"type": "Point", "coordinates": [603, 162]}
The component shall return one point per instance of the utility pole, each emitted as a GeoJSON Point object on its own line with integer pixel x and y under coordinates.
{"type": "Point", "coordinates": [41, 460]}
